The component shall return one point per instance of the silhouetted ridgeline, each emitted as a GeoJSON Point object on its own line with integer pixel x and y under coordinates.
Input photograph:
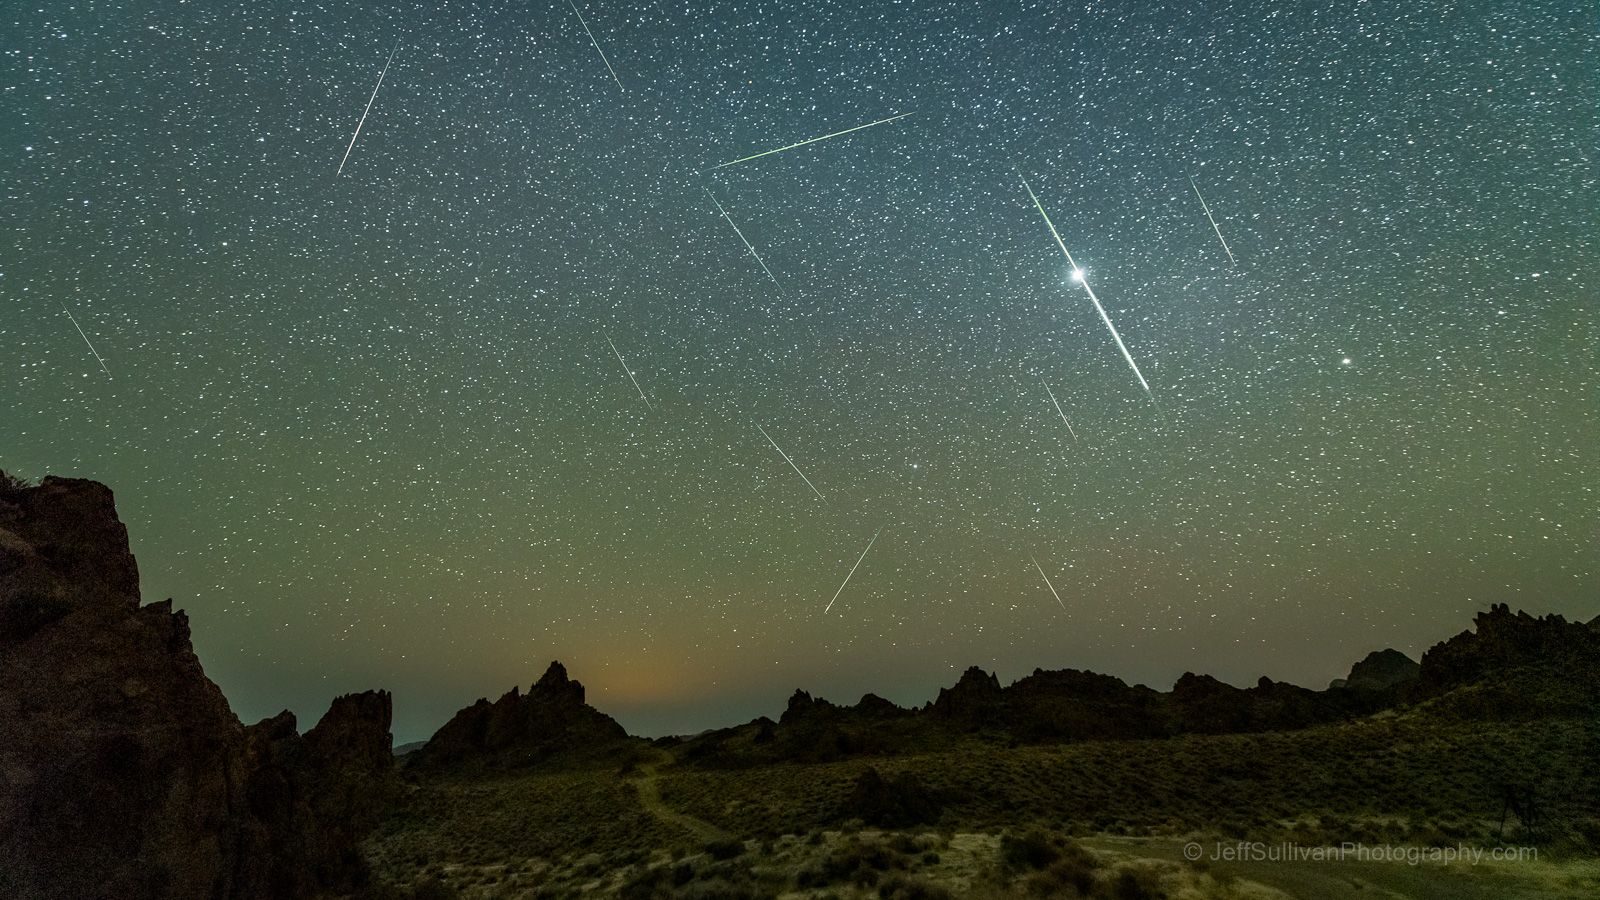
{"type": "Point", "coordinates": [123, 772]}
{"type": "Point", "coordinates": [1513, 667]}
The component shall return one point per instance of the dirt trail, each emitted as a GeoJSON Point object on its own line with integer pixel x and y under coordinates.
{"type": "Point", "coordinates": [649, 787]}
{"type": "Point", "coordinates": [1340, 880]}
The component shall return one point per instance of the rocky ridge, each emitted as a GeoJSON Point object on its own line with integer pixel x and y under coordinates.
{"type": "Point", "coordinates": [123, 772]}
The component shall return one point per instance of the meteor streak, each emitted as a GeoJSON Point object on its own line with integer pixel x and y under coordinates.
{"type": "Point", "coordinates": [1213, 221]}
{"type": "Point", "coordinates": [1077, 275]}
{"type": "Point", "coordinates": [1058, 409]}
{"type": "Point", "coordinates": [814, 140]}
{"type": "Point", "coordinates": [858, 565]}
{"type": "Point", "coordinates": [85, 338]}
{"type": "Point", "coordinates": [1047, 580]}
{"type": "Point", "coordinates": [791, 463]}
{"type": "Point", "coordinates": [630, 375]}
{"type": "Point", "coordinates": [747, 244]}
{"type": "Point", "coordinates": [596, 45]}
{"type": "Point", "coordinates": [368, 109]}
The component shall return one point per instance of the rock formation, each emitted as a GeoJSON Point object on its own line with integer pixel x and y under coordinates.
{"type": "Point", "coordinates": [1381, 670]}
{"type": "Point", "coordinates": [551, 718]}
{"type": "Point", "coordinates": [123, 772]}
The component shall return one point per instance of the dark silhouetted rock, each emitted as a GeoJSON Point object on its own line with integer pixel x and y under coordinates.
{"type": "Point", "coordinates": [973, 699]}
{"type": "Point", "coordinates": [552, 717]}
{"type": "Point", "coordinates": [1381, 670]}
{"type": "Point", "coordinates": [123, 772]}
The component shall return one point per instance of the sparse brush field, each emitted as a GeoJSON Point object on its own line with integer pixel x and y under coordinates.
{"type": "Point", "coordinates": [1039, 821]}
{"type": "Point", "coordinates": [1407, 773]}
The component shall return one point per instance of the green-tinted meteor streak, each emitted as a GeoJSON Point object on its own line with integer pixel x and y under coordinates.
{"type": "Point", "coordinates": [747, 245]}
{"type": "Point", "coordinates": [85, 338]}
{"type": "Point", "coordinates": [1213, 221]}
{"type": "Point", "coordinates": [1047, 581]}
{"type": "Point", "coordinates": [1058, 410]}
{"type": "Point", "coordinates": [858, 565]}
{"type": "Point", "coordinates": [630, 375]}
{"type": "Point", "coordinates": [814, 140]}
{"type": "Point", "coordinates": [1078, 274]}
{"type": "Point", "coordinates": [791, 463]}
{"type": "Point", "coordinates": [596, 45]}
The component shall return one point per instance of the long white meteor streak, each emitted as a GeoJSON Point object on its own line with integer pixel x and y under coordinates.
{"type": "Point", "coordinates": [369, 107]}
{"type": "Point", "coordinates": [856, 566]}
{"type": "Point", "coordinates": [1058, 409]}
{"type": "Point", "coordinates": [630, 375]}
{"type": "Point", "coordinates": [85, 338]}
{"type": "Point", "coordinates": [1047, 580]}
{"type": "Point", "coordinates": [791, 463]}
{"type": "Point", "coordinates": [1077, 274]}
{"type": "Point", "coordinates": [747, 245]}
{"type": "Point", "coordinates": [1213, 221]}
{"type": "Point", "coordinates": [814, 140]}
{"type": "Point", "coordinates": [596, 45]}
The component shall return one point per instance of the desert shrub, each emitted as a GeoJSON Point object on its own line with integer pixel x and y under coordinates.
{"type": "Point", "coordinates": [894, 802]}
{"type": "Point", "coordinates": [1032, 850]}
{"type": "Point", "coordinates": [1074, 868]}
{"type": "Point", "coordinates": [716, 889]}
{"type": "Point", "coordinates": [910, 887]}
{"type": "Point", "coordinates": [432, 888]}
{"type": "Point", "coordinates": [904, 843]}
{"type": "Point", "coordinates": [647, 884]}
{"type": "Point", "coordinates": [1136, 884]}
{"type": "Point", "coordinates": [725, 849]}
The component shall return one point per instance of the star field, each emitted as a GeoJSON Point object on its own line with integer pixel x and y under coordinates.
{"type": "Point", "coordinates": [367, 428]}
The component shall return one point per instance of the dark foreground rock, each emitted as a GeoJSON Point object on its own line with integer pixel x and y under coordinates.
{"type": "Point", "coordinates": [123, 772]}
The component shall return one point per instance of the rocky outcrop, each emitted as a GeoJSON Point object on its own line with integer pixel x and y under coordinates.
{"type": "Point", "coordinates": [551, 718]}
{"type": "Point", "coordinates": [123, 772]}
{"type": "Point", "coordinates": [973, 699]}
{"type": "Point", "coordinates": [1382, 670]}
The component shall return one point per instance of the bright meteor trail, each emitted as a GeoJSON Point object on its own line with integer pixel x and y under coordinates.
{"type": "Point", "coordinates": [747, 245]}
{"type": "Point", "coordinates": [1058, 410]}
{"type": "Point", "coordinates": [1078, 274]}
{"type": "Point", "coordinates": [1213, 221]}
{"type": "Point", "coordinates": [85, 338]}
{"type": "Point", "coordinates": [368, 109]}
{"type": "Point", "coordinates": [858, 565]}
{"type": "Point", "coordinates": [814, 140]}
{"type": "Point", "coordinates": [791, 463]}
{"type": "Point", "coordinates": [596, 45]}
{"type": "Point", "coordinates": [630, 376]}
{"type": "Point", "coordinates": [1047, 581]}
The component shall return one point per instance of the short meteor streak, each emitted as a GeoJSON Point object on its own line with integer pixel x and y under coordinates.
{"type": "Point", "coordinates": [791, 463]}
{"type": "Point", "coordinates": [368, 109]}
{"type": "Point", "coordinates": [630, 376]}
{"type": "Point", "coordinates": [1047, 580]}
{"type": "Point", "coordinates": [1077, 274]}
{"type": "Point", "coordinates": [1058, 409]}
{"type": "Point", "coordinates": [85, 338]}
{"type": "Point", "coordinates": [596, 45]}
{"type": "Point", "coordinates": [1213, 221]}
{"type": "Point", "coordinates": [747, 245]}
{"type": "Point", "coordinates": [814, 140]}
{"type": "Point", "coordinates": [858, 565]}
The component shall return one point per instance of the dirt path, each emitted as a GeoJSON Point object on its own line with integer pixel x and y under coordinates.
{"type": "Point", "coordinates": [1347, 880]}
{"type": "Point", "coordinates": [649, 787]}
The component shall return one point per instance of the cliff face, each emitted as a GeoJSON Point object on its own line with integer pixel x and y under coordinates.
{"type": "Point", "coordinates": [123, 772]}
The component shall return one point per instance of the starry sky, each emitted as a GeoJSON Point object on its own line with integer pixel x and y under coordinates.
{"type": "Point", "coordinates": [369, 429]}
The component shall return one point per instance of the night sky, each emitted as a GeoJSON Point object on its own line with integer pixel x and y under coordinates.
{"type": "Point", "coordinates": [367, 428]}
